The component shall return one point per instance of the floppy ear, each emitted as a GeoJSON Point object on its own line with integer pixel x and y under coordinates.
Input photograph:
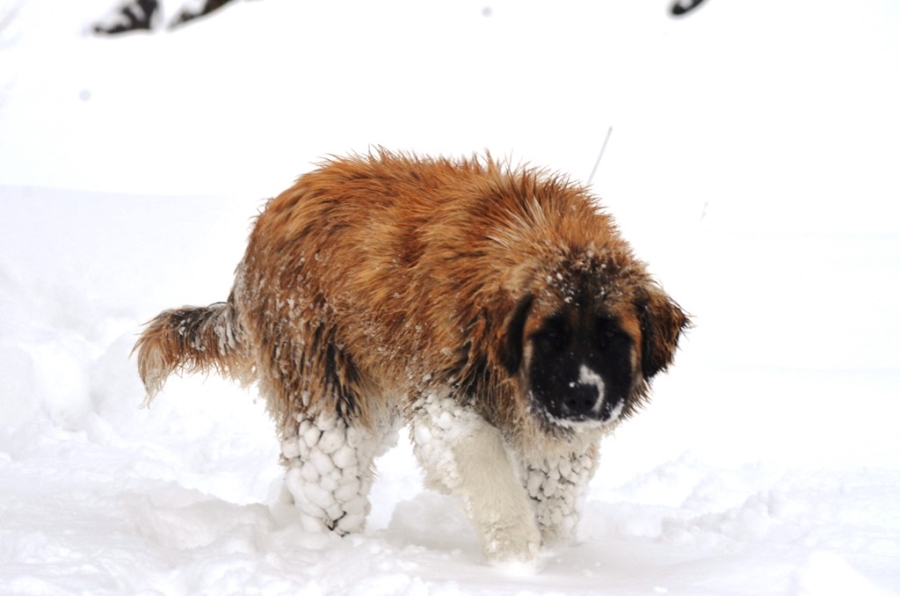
{"type": "Point", "coordinates": [662, 323]}
{"type": "Point", "coordinates": [512, 341]}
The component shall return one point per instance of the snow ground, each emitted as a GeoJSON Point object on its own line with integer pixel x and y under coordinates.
{"type": "Point", "coordinates": [753, 164]}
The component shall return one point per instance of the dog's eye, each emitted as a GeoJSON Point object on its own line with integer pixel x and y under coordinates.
{"type": "Point", "coordinates": [552, 335]}
{"type": "Point", "coordinates": [609, 335]}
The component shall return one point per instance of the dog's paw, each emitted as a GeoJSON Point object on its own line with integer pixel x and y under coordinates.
{"type": "Point", "coordinates": [514, 543]}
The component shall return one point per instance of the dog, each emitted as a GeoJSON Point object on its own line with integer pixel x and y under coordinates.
{"type": "Point", "coordinates": [494, 310]}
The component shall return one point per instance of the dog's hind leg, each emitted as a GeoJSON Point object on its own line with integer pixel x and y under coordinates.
{"type": "Point", "coordinates": [330, 468]}
{"type": "Point", "coordinates": [331, 422]}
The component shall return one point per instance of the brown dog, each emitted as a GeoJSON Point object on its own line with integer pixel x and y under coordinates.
{"type": "Point", "coordinates": [493, 309]}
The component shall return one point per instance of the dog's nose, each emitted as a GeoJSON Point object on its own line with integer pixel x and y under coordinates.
{"type": "Point", "coordinates": [582, 400]}
{"type": "Point", "coordinates": [586, 395]}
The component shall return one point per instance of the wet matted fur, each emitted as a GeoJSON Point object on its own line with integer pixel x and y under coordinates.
{"type": "Point", "coordinates": [495, 310]}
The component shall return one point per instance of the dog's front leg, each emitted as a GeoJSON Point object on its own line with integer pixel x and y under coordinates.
{"type": "Point", "coordinates": [464, 455]}
{"type": "Point", "coordinates": [494, 497]}
{"type": "Point", "coordinates": [557, 485]}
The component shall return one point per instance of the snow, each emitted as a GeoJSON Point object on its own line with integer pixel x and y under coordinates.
{"type": "Point", "coordinates": [753, 165]}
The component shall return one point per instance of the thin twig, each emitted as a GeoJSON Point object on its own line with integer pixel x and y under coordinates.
{"type": "Point", "coordinates": [599, 157]}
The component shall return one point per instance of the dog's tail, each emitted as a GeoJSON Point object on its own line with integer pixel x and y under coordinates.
{"type": "Point", "coordinates": [193, 339]}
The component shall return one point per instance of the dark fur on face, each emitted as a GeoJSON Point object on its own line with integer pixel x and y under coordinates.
{"type": "Point", "coordinates": [581, 367]}
{"type": "Point", "coordinates": [590, 359]}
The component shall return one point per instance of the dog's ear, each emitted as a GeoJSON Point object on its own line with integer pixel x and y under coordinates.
{"type": "Point", "coordinates": [662, 324]}
{"type": "Point", "coordinates": [512, 342]}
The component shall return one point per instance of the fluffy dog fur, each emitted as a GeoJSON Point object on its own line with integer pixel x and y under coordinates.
{"type": "Point", "coordinates": [494, 310]}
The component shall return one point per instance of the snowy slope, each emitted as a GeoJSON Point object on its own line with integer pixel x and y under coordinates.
{"type": "Point", "coordinates": [753, 164]}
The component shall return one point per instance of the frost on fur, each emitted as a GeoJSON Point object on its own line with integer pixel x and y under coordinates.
{"type": "Point", "coordinates": [556, 485]}
{"type": "Point", "coordinates": [330, 468]}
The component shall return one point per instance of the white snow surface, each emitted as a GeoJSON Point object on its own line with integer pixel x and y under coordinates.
{"type": "Point", "coordinates": [753, 164]}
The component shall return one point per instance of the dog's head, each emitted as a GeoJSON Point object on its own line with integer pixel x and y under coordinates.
{"type": "Point", "coordinates": [584, 344]}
